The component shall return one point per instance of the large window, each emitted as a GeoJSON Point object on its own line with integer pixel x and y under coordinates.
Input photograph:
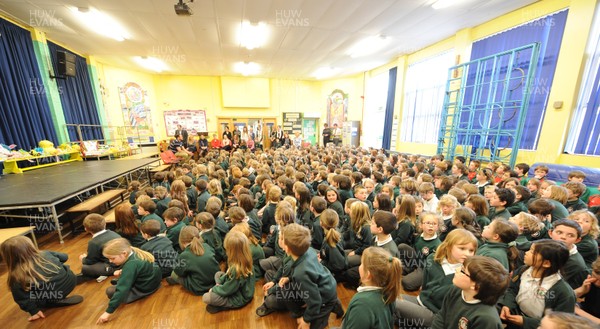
{"type": "Point", "coordinates": [374, 115]}
{"type": "Point", "coordinates": [424, 88]}
{"type": "Point", "coordinates": [585, 125]}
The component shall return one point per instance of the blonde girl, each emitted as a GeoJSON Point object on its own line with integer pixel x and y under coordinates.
{"type": "Point", "coordinates": [332, 251]}
{"type": "Point", "coordinates": [138, 276]}
{"type": "Point", "coordinates": [235, 288]}
{"type": "Point", "coordinates": [214, 189]}
{"type": "Point", "coordinates": [372, 305]}
{"type": "Point", "coordinates": [588, 246]}
{"type": "Point", "coordinates": [255, 248]}
{"type": "Point", "coordinates": [557, 196]}
{"type": "Point", "coordinates": [538, 286]}
{"type": "Point", "coordinates": [446, 206]}
{"type": "Point", "coordinates": [437, 278]}
{"type": "Point", "coordinates": [196, 266]}
{"type": "Point", "coordinates": [179, 192]}
{"type": "Point", "coordinates": [37, 279]}
{"type": "Point", "coordinates": [359, 236]}
{"type": "Point", "coordinates": [407, 220]}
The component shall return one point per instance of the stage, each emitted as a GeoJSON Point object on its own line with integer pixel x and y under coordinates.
{"type": "Point", "coordinates": [48, 187]}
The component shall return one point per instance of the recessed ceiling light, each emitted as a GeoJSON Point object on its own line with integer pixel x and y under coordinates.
{"type": "Point", "coordinates": [252, 36]}
{"type": "Point", "coordinates": [151, 63]}
{"type": "Point", "coordinates": [368, 46]}
{"type": "Point", "coordinates": [100, 23]}
{"type": "Point", "coordinates": [246, 68]}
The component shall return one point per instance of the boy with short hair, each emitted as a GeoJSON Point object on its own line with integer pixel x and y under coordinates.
{"type": "Point", "coordinates": [146, 209]}
{"type": "Point", "coordinates": [162, 200]}
{"type": "Point", "coordinates": [541, 172]}
{"type": "Point", "coordinates": [273, 198]}
{"type": "Point", "coordinates": [174, 222]}
{"type": "Point", "coordinates": [192, 195]}
{"type": "Point", "coordinates": [317, 206]}
{"type": "Point", "coordinates": [471, 303]}
{"type": "Point", "coordinates": [522, 169]}
{"type": "Point", "coordinates": [309, 289]}
{"type": "Point", "coordinates": [427, 193]}
{"type": "Point", "coordinates": [361, 193]}
{"type": "Point", "coordinates": [500, 200]}
{"type": "Point", "coordinates": [382, 225]}
{"type": "Point", "coordinates": [579, 176]}
{"type": "Point", "coordinates": [203, 195]}
{"type": "Point", "coordinates": [569, 232]}
{"type": "Point", "coordinates": [94, 264]}
{"type": "Point", "coordinates": [159, 246]}
{"type": "Point", "coordinates": [474, 166]}
{"type": "Point", "coordinates": [574, 191]}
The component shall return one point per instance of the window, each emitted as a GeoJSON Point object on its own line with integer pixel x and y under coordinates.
{"type": "Point", "coordinates": [424, 89]}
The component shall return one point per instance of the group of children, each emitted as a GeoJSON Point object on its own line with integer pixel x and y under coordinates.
{"type": "Point", "coordinates": [482, 247]}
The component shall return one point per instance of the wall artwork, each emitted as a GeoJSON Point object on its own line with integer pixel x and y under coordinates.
{"type": "Point", "coordinates": [337, 107]}
{"type": "Point", "coordinates": [136, 113]}
{"type": "Point", "coordinates": [194, 121]}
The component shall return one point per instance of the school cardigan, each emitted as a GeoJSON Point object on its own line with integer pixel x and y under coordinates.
{"type": "Point", "coordinates": [368, 310]}
{"type": "Point", "coordinates": [575, 205]}
{"type": "Point", "coordinates": [201, 201]}
{"type": "Point", "coordinates": [559, 212]}
{"type": "Point", "coordinates": [238, 291]}
{"type": "Point", "coordinates": [162, 205]}
{"type": "Point", "coordinates": [574, 272]}
{"type": "Point", "coordinates": [496, 250]}
{"type": "Point", "coordinates": [338, 208]}
{"type": "Point", "coordinates": [255, 224]}
{"type": "Point", "coordinates": [314, 282]}
{"type": "Point", "coordinates": [358, 243]}
{"type": "Point", "coordinates": [257, 254]}
{"type": "Point", "coordinates": [154, 216]}
{"type": "Point", "coordinates": [272, 242]}
{"type": "Point", "coordinates": [424, 248]}
{"type": "Point", "coordinates": [197, 272]}
{"type": "Point", "coordinates": [588, 248]}
{"type": "Point", "coordinates": [136, 273]}
{"type": "Point", "coordinates": [164, 253]}
{"type": "Point", "coordinates": [559, 298]}
{"type": "Point", "coordinates": [404, 232]}
{"type": "Point", "coordinates": [95, 246]}
{"type": "Point", "coordinates": [457, 313]}
{"type": "Point", "coordinates": [59, 285]}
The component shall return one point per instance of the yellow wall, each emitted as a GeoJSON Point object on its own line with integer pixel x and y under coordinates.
{"type": "Point", "coordinates": [565, 86]}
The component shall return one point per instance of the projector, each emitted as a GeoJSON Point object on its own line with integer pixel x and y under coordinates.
{"type": "Point", "coordinates": [182, 9]}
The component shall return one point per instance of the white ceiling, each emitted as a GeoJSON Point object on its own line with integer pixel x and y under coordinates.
{"type": "Point", "coordinates": [205, 43]}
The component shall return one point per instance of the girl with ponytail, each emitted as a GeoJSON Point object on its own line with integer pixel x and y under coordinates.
{"type": "Point", "coordinates": [138, 276]}
{"type": "Point", "coordinates": [373, 304]}
{"type": "Point", "coordinates": [196, 266]}
{"type": "Point", "coordinates": [332, 253]}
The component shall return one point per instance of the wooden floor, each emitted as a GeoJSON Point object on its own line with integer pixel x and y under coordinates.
{"type": "Point", "coordinates": [170, 307]}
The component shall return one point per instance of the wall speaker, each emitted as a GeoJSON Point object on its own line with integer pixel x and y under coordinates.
{"type": "Point", "coordinates": [66, 63]}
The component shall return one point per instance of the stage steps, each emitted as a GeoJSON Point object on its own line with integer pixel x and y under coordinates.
{"type": "Point", "coordinates": [7, 233]}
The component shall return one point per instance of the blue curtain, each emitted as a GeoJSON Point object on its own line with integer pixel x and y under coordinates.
{"type": "Point", "coordinates": [548, 31]}
{"type": "Point", "coordinates": [77, 98]}
{"type": "Point", "coordinates": [25, 116]}
{"type": "Point", "coordinates": [389, 109]}
{"type": "Point", "coordinates": [589, 137]}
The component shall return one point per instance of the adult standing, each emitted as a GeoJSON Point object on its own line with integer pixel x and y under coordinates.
{"type": "Point", "coordinates": [258, 139]}
{"type": "Point", "coordinates": [337, 135]}
{"type": "Point", "coordinates": [227, 133]}
{"type": "Point", "coordinates": [183, 133]}
{"type": "Point", "coordinates": [326, 134]}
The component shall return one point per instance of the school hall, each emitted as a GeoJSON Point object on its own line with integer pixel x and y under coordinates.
{"type": "Point", "coordinates": [163, 91]}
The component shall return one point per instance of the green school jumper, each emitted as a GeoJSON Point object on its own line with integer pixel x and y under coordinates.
{"type": "Point", "coordinates": [60, 284]}
{"type": "Point", "coordinates": [136, 273]}
{"type": "Point", "coordinates": [482, 221]}
{"type": "Point", "coordinates": [559, 298]}
{"type": "Point", "coordinates": [213, 239]}
{"type": "Point", "coordinates": [162, 205]}
{"type": "Point", "coordinates": [95, 245]}
{"type": "Point", "coordinates": [457, 313]}
{"type": "Point", "coordinates": [257, 254]}
{"type": "Point", "coordinates": [334, 258]}
{"type": "Point", "coordinates": [173, 234]}
{"type": "Point", "coordinates": [575, 205]}
{"type": "Point", "coordinates": [588, 248]}
{"type": "Point", "coordinates": [164, 253]}
{"type": "Point", "coordinates": [201, 201]}
{"type": "Point", "coordinates": [163, 227]}
{"type": "Point", "coordinates": [238, 292]}
{"type": "Point", "coordinates": [424, 248]}
{"type": "Point", "coordinates": [338, 208]}
{"type": "Point", "coordinates": [197, 272]}
{"type": "Point", "coordinates": [368, 310]}
{"type": "Point", "coordinates": [436, 285]}
{"type": "Point", "coordinates": [495, 250]}
{"type": "Point", "coordinates": [314, 282]}
{"type": "Point", "coordinates": [575, 271]}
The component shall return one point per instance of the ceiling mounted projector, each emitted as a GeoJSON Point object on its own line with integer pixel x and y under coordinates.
{"type": "Point", "coordinates": [182, 8]}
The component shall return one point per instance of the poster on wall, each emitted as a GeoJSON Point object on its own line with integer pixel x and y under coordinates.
{"type": "Point", "coordinates": [337, 107]}
{"type": "Point", "coordinates": [136, 113]}
{"type": "Point", "coordinates": [194, 121]}
{"type": "Point", "coordinates": [292, 122]}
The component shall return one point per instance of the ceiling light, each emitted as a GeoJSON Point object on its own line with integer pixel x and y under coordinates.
{"type": "Point", "coordinates": [368, 46]}
{"type": "Point", "coordinates": [151, 63]}
{"type": "Point", "coordinates": [101, 23]}
{"type": "Point", "coordinates": [253, 35]}
{"type": "Point", "coordinates": [441, 4]}
{"type": "Point", "coordinates": [246, 68]}
{"type": "Point", "coordinates": [324, 72]}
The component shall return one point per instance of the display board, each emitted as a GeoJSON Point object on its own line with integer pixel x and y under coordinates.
{"type": "Point", "coordinates": [194, 121]}
{"type": "Point", "coordinates": [292, 121]}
